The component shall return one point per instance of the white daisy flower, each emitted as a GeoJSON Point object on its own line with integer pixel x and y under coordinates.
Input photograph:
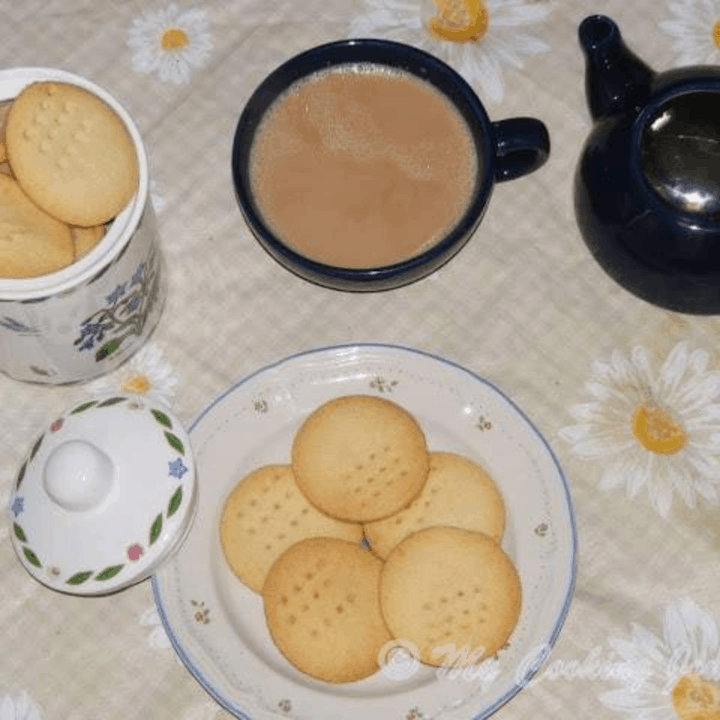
{"type": "Point", "coordinates": [146, 373]}
{"type": "Point", "coordinates": [696, 29]}
{"type": "Point", "coordinates": [21, 707]}
{"type": "Point", "coordinates": [477, 37]}
{"type": "Point", "coordinates": [670, 677]}
{"type": "Point", "coordinates": [170, 42]}
{"type": "Point", "coordinates": [658, 432]}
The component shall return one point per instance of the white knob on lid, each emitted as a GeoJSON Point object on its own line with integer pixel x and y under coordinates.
{"type": "Point", "coordinates": [78, 475]}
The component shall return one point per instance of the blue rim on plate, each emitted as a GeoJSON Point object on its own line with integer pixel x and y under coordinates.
{"type": "Point", "coordinates": [345, 356]}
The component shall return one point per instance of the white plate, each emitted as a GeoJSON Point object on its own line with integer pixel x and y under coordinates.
{"type": "Point", "coordinates": [217, 625]}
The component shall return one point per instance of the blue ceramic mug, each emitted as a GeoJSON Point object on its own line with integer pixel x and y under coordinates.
{"type": "Point", "coordinates": [504, 149]}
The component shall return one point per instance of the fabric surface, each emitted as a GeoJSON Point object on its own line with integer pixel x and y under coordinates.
{"type": "Point", "coordinates": [524, 305]}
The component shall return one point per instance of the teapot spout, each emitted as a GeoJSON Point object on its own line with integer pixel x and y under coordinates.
{"type": "Point", "coordinates": [616, 80]}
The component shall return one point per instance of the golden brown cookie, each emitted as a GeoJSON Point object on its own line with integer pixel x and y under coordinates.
{"type": "Point", "coordinates": [5, 106]}
{"type": "Point", "coordinates": [360, 458]}
{"type": "Point", "coordinates": [454, 594]}
{"type": "Point", "coordinates": [322, 609]}
{"type": "Point", "coordinates": [264, 515]}
{"type": "Point", "coordinates": [85, 239]}
{"type": "Point", "coordinates": [71, 153]}
{"type": "Point", "coordinates": [31, 242]}
{"type": "Point", "coordinates": [458, 493]}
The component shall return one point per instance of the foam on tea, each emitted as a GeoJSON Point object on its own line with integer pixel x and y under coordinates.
{"type": "Point", "coordinates": [361, 166]}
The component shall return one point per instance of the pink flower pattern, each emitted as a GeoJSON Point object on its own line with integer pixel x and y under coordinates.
{"type": "Point", "coordinates": [135, 552]}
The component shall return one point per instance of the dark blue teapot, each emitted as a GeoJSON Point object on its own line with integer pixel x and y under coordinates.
{"type": "Point", "coordinates": [647, 187]}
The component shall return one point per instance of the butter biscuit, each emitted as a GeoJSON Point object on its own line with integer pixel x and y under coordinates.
{"type": "Point", "coordinates": [454, 594]}
{"type": "Point", "coordinates": [264, 515]}
{"type": "Point", "coordinates": [32, 242]}
{"type": "Point", "coordinates": [71, 153]}
{"type": "Point", "coordinates": [86, 238]}
{"type": "Point", "coordinates": [322, 609]}
{"type": "Point", "coordinates": [458, 493]}
{"type": "Point", "coordinates": [360, 458]}
{"type": "Point", "coordinates": [5, 106]}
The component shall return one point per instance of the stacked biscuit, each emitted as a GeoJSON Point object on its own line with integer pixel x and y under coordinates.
{"type": "Point", "coordinates": [367, 536]}
{"type": "Point", "coordinates": [67, 167]}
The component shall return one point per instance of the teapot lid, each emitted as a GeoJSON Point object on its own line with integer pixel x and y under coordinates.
{"type": "Point", "coordinates": [104, 496]}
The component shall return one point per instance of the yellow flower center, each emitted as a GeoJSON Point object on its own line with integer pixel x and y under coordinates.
{"type": "Point", "coordinates": [137, 384]}
{"type": "Point", "coordinates": [460, 20]}
{"type": "Point", "coordinates": [716, 34]}
{"type": "Point", "coordinates": [656, 430]}
{"type": "Point", "coordinates": [173, 39]}
{"type": "Point", "coordinates": [695, 699]}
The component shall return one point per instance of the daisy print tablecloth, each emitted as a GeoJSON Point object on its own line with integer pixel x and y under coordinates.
{"type": "Point", "coordinates": [626, 395]}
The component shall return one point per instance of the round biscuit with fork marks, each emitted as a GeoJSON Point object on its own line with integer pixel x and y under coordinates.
{"type": "Point", "coordinates": [360, 458]}
{"type": "Point", "coordinates": [71, 153]}
{"type": "Point", "coordinates": [453, 593]}
{"type": "Point", "coordinates": [32, 242]}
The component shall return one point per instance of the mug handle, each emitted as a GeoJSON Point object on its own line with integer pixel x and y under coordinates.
{"type": "Point", "coordinates": [522, 145]}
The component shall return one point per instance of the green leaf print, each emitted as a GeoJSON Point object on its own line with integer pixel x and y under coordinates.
{"type": "Point", "coordinates": [31, 557]}
{"type": "Point", "coordinates": [156, 529]}
{"type": "Point", "coordinates": [174, 503]}
{"type": "Point", "coordinates": [162, 418]}
{"type": "Point", "coordinates": [79, 578]}
{"type": "Point", "coordinates": [21, 476]}
{"type": "Point", "coordinates": [111, 401]}
{"type": "Point", "coordinates": [83, 407]}
{"type": "Point", "coordinates": [107, 349]}
{"type": "Point", "coordinates": [36, 447]}
{"type": "Point", "coordinates": [175, 442]}
{"type": "Point", "coordinates": [109, 572]}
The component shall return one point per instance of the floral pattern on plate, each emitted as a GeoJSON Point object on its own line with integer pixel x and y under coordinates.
{"type": "Point", "coordinates": [227, 648]}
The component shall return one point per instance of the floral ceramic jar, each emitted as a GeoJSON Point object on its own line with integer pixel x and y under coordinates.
{"type": "Point", "coordinates": [87, 318]}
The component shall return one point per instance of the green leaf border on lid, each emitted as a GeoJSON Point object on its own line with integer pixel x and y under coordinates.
{"type": "Point", "coordinates": [162, 418]}
{"type": "Point", "coordinates": [83, 407]}
{"type": "Point", "coordinates": [21, 476]}
{"type": "Point", "coordinates": [36, 447]}
{"type": "Point", "coordinates": [175, 442]}
{"type": "Point", "coordinates": [79, 578]}
{"type": "Point", "coordinates": [111, 401]}
{"type": "Point", "coordinates": [175, 502]}
{"type": "Point", "coordinates": [109, 572]}
{"type": "Point", "coordinates": [156, 529]}
{"type": "Point", "coordinates": [176, 499]}
{"type": "Point", "coordinates": [31, 557]}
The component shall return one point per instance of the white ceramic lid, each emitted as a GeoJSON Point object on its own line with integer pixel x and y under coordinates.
{"type": "Point", "coordinates": [105, 495]}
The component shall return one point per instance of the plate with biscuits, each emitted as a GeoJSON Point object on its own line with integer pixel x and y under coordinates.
{"type": "Point", "coordinates": [379, 532]}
